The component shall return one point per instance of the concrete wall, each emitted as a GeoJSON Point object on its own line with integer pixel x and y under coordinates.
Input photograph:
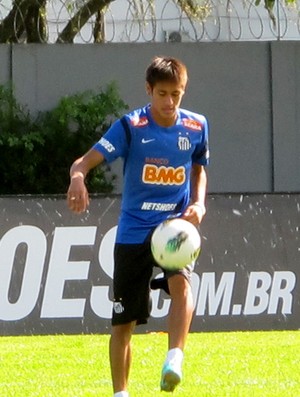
{"type": "Point", "coordinates": [5, 63]}
{"type": "Point", "coordinates": [250, 93]}
{"type": "Point", "coordinates": [286, 115]}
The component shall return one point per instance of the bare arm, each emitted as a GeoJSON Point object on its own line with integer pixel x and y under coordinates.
{"type": "Point", "coordinates": [78, 197]}
{"type": "Point", "coordinates": [196, 210]}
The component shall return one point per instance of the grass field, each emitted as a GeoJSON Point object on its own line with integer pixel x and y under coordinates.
{"type": "Point", "coordinates": [234, 364]}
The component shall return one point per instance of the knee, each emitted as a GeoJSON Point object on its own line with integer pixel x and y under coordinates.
{"type": "Point", "coordinates": [179, 287]}
{"type": "Point", "coordinates": [122, 333]}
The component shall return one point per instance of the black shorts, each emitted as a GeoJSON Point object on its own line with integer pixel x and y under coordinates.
{"type": "Point", "coordinates": [131, 284]}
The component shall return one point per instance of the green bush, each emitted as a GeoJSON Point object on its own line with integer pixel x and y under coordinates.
{"type": "Point", "coordinates": [36, 152]}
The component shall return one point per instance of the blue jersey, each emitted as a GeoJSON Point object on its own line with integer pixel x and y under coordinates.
{"type": "Point", "coordinates": [157, 167]}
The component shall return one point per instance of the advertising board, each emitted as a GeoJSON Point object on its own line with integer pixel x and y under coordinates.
{"type": "Point", "coordinates": [56, 267]}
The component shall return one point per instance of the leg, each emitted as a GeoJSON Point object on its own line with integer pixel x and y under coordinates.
{"type": "Point", "coordinates": [179, 321]}
{"type": "Point", "coordinates": [120, 355]}
{"type": "Point", "coordinates": [181, 311]}
{"type": "Point", "coordinates": [132, 273]}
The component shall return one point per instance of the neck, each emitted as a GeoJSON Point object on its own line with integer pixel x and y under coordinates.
{"type": "Point", "coordinates": [163, 121]}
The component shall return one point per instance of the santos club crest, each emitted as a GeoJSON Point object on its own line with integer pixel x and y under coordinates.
{"type": "Point", "coordinates": [184, 143]}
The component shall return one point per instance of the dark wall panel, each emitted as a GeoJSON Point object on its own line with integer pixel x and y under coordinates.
{"type": "Point", "coordinates": [56, 267]}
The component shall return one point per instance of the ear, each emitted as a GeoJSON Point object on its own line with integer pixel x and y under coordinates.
{"type": "Point", "coordinates": [148, 88]}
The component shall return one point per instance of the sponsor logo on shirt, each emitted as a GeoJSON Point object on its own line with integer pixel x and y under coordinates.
{"type": "Point", "coordinates": [163, 175]}
{"type": "Point", "coordinates": [192, 124]}
{"type": "Point", "coordinates": [157, 160]}
{"type": "Point", "coordinates": [147, 140]}
{"type": "Point", "coordinates": [107, 145]}
{"type": "Point", "coordinates": [148, 206]}
{"type": "Point", "coordinates": [139, 121]}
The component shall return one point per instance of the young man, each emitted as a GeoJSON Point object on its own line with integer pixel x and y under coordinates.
{"type": "Point", "coordinates": [165, 149]}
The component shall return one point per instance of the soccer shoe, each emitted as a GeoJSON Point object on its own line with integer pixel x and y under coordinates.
{"type": "Point", "coordinates": [170, 377]}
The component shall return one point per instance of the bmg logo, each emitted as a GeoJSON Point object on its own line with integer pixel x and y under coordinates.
{"type": "Point", "coordinates": [163, 175]}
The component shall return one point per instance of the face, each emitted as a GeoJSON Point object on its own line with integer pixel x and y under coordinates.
{"type": "Point", "coordinates": [166, 97]}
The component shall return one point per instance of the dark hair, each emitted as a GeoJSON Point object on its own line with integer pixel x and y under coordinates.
{"type": "Point", "coordinates": [166, 69]}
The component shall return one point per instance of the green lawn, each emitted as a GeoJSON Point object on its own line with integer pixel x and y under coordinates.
{"type": "Point", "coordinates": [233, 364]}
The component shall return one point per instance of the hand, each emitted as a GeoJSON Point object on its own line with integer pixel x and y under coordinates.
{"type": "Point", "coordinates": [194, 213]}
{"type": "Point", "coordinates": [77, 196]}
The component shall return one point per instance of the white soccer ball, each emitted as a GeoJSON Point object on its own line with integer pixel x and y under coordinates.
{"type": "Point", "coordinates": [175, 243]}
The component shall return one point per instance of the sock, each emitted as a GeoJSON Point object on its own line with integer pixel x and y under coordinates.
{"type": "Point", "coordinates": [175, 354]}
{"type": "Point", "coordinates": [121, 394]}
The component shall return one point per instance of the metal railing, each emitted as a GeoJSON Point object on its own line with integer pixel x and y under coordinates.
{"type": "Point", "coordinates": [80, 21]}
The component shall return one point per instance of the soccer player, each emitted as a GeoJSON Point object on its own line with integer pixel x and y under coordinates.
{"type": "Point", "coordinates": [165, 151]}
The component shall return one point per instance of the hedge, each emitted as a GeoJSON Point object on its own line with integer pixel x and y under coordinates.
{"type": "Point", "coordinates": [36, 152]}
